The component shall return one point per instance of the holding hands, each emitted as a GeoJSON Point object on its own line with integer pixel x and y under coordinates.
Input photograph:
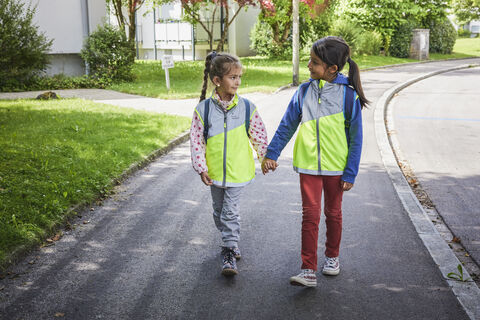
{"type": "Point", "coordinates": [268, 164]}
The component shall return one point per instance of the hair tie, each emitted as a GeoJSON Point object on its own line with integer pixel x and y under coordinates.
{"type": "Point", "coordinates": [213, 54]}
{"type": "Point", "coordinates": [349, 60]}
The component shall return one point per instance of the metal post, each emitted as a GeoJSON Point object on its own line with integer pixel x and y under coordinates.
{"type": "Point", "coordinates": [193, 42]}
{"type": "Point", "coordinates": [136, 34]}
{"type": "Point", "coordinates": [296, 43]}
{"type": "Point", "coordinates": [86, 27]}
{"type": "Point", "coordinates": [154, 34]}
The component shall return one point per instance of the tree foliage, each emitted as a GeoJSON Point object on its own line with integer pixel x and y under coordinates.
{"type": "Point", "coordinates": [272, 34]}
{"type": "Point", "coordinates": [205, 12]}
{"type": "Point", "coordinates": [466, 10]}
{"type": "Point", "coordinates": [387, 16]}
{"type": "Point", "coordinates": [24, 49]}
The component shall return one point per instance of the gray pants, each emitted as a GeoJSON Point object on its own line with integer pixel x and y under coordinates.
{"type": "Point", "coordinates": [226, 213]}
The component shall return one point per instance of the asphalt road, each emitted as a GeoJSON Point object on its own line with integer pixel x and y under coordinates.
{"type": "Point", "coordinates": [152, 251]}
{"type": "Point", "coordinates": [437, 123]}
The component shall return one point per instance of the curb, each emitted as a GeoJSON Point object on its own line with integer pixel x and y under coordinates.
{"type": "Point", "coordinates": [467, 293]}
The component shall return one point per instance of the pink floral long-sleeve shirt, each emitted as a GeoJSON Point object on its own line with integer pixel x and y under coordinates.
{"type": "Point", "coordinates": [257, 131]}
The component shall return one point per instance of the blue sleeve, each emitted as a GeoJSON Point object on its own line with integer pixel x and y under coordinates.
{"type": "Point", "coordinates": [286, 128]}
{"type": "Point", "coordinates": [355, 137]}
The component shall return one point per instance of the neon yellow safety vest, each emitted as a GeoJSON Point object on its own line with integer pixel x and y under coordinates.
{"type": "Point", "coordinates": [229, 154]}
{"type": "Point", "coordinates": [321, 145]}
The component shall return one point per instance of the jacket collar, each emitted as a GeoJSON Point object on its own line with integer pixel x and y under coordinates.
{"type": "Point", "coordinates": [340, 79]}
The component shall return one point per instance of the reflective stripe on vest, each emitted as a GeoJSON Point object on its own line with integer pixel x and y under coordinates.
{"type": "Point", "coordinates": [229, 155]}
{"type": "Point", "coordinates": [321, 146]}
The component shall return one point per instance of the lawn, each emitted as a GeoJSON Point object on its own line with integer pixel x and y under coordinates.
{"type": "Point", "coordinates": [60, 153]}
{"type": "Point", "coordinates": [259, 75]}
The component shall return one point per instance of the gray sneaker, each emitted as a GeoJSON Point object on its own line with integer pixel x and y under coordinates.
{"type": "Point", "coordinates": [236, 252]}
{"type": "Point", "coordinates": [229, 267]}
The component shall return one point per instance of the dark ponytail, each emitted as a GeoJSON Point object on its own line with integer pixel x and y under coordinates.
{"type": "Point", "coordinates": [335, 51]}
{"type": "Point", "coordinates": [354, 77]}
{"type": "Point", "coordinates": [217, 65]}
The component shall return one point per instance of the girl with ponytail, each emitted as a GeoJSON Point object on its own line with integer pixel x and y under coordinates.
{"type": "Point", "coordinates": [224, 129]}
{"type": "Point", "coordinates": [327, 148]}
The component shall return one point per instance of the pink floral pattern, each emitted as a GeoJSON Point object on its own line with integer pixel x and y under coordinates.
{"type": "Point", "coordinates": [258, 139]}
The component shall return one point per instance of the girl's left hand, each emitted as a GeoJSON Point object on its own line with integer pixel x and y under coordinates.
{"type": "Point", "coordinates": [345, 185]}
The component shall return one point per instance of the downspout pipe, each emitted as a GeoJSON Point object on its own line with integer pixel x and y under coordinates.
{"type": "Point", "coordinates": [86, 27]}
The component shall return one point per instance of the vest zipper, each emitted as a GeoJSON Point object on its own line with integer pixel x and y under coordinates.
{"type": "Point", "coordinates": [318, 136]}
{"type": "Point", "coordinates": [224, 148]}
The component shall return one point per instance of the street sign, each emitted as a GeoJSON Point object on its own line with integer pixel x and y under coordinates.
{"type": "Point", "coordinates": [167, 63]}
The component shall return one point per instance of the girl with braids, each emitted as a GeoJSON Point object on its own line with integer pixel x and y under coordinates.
{"type": "Point", "coordinates": [327, 148]}
{"type": "Point", "coordinates": [224, 129]}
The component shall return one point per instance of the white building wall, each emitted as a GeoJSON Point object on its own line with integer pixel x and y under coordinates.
{"type": "Point", "coordinates": [63, 22]}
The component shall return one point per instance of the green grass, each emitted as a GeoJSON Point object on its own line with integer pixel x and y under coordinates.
{"type": "Point", "coordinates": [59, 153]}
{"type": "Point", "coordinates": [259, 75]}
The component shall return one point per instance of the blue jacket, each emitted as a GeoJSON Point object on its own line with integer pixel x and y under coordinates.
{"type": "Point", "coordinates": [353, 125]}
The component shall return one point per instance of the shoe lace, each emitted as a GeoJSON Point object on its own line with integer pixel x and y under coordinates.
{"type": "Point", "coordinates": [331, 262]}
{"type": "Point", "coordinates": [228, 255]}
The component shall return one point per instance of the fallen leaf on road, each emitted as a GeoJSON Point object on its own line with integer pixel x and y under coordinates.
{"type": "Point", "coordinates": [456, 240]}
{"type": "Point", "coordinates": [59, 314]}
{"type": "Point", "coordinates": [467, 255]}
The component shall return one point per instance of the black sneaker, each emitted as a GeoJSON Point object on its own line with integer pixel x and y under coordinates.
{"type": "Point", "coordinates": [229, 262]}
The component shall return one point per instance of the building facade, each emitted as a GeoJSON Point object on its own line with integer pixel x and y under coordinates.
{"type": "Point", "coordinates": [67, 23]}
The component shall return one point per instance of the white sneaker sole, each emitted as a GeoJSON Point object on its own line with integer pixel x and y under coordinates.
{"type": "Point", "coordinates": [294, 281]}
{"type": "Point", "coordinates": [331, 272]}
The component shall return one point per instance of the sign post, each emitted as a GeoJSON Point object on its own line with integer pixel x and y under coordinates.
{"type": "Point", "coordinates": [167, 63]}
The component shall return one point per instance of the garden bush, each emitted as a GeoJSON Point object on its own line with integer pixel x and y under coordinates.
{"type": "Point", "coordinates": [463, 33]}
{"type": "Point", "coordinates": [23, 53]}
{"type": "Point", "coordinates": [261, 37]}
{"type": "Point", "coordinates": [369, 43]}
{"type": "Point", "coordinates": [442, 36]}
{"type": "Point", "coordinates": [347, 31]}
{"type": "Point", "coordinates": [401, 39]}
{"type": "Point", "coordinates": [109, 55]}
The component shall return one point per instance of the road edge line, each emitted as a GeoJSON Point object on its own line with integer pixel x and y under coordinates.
{"type": "Point", "coordinates": [467, 293]}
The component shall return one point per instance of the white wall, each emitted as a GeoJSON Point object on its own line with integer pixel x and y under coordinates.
{"type": "Point", "coordinates": [63, 21]}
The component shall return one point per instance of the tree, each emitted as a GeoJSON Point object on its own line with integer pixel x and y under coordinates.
{"type": "Point", "coordinates": [272, 34]}
{"type": "Point", "coordinates": [196, 10]}
{"type": "Point", "coordinates": [466, 10]}
{"type": "Point", "coordinates": [130, 7]}
{"type": "Point", "coordinates": [24, 49]}
{"type": "Point", "coordinates": [387, 16]}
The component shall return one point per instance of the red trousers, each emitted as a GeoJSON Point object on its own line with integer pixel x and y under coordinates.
{"type": "Point", "coordinates": [311, 187]}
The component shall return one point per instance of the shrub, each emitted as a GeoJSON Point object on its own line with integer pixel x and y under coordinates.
{"type": "Point", "coordinates": [369, 43]}
{"type": "Point", "coordinates": [463, 33]}
{"type": "Point", "coordinates": [442, 36]}
{"type": "Point", "coordinates": [24, 49]}
{"type": "Point", "coordinates": [261, 37]}
{"type": "Point", "coordinates": [401, 40]}
{"type": "Point", "coordinates": [109, 55]}
{"type": "Point", "coordinates": [347, 31]}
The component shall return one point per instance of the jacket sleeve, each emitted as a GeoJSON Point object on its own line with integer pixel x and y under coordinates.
{"type": "Point", "coordinates": [355, 138]}
{"type": "Point", "coordinates": [286, 128]}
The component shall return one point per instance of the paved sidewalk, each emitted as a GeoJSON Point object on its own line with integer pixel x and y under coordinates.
{"type": "Point", "coordinates": [151, 251]}
{"type": "Point", "coordinates": [182, 107]}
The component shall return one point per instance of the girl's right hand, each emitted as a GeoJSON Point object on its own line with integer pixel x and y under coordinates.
{"type": "Point", "coordinates": [268, 164]}
{"type": "Point", "coordinates": [206, 178]}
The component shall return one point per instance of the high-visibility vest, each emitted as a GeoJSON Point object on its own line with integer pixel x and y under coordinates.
{"type": "Point", "coordinates": [229, 154]}
{"type": "Point", "coordinates": [321, 146]}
